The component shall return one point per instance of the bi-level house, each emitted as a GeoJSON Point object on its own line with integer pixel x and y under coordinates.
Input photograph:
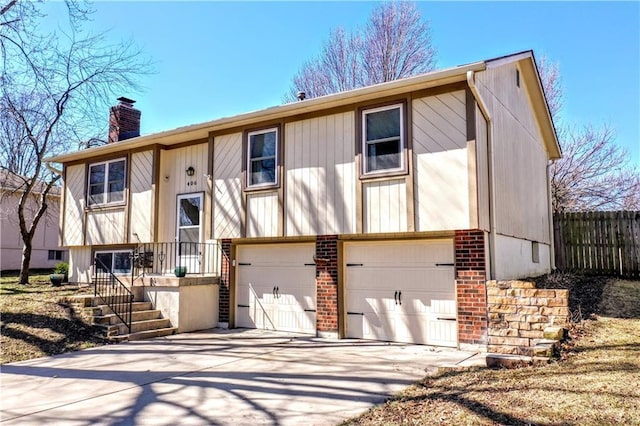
{"type": "Point", "coordinates": [377, 213]}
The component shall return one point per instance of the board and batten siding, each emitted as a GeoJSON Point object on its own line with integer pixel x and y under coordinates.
{"type": "Point", "coordinates": [520, 156]}
{"type": "Point", "coordinates": [106, 226]}
{"type": "Point", "coordinates": [385, 205]}
{"type": "Point", "coordinates": [441, 164]}
{"type": "Point", "coordinates": [80, 265]}
{"type": "Point", "coordinates": [174, 181]}
{"type": "Point", "coordinates": [74, 206]}
{"type": "Point", "coordinates": [262, 214]}
{"type": "Point", "coordinates": [227, 186]}
{"type": "Point", "coordinates": [320, 175]}
{"type": "Point", "coordinates": [141, 205]}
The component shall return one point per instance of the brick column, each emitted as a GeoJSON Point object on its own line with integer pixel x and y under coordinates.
{"type": "Point", "coordinates": [327, 285]}
{"type": "Point", "coordinates": [225, 277]}
{"type": "Point", "coordinates": [471, 287]}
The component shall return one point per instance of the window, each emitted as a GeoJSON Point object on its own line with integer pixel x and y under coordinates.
{"type": "Point", "coordinates": [117, 262]}
{"type": "Point", "coordinates": [106, 182]}
{"type": "Point", "coordinates": [55, 254]}
{"type": "Point", "coordinates": [383, 139]}
{"type": "Point", "coordinates": [262, 156]}
{"type": "Point", "coordinates": [535, 252]}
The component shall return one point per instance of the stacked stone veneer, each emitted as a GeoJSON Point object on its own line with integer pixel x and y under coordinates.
{"type": "Point", "coordinates": [519, 313]}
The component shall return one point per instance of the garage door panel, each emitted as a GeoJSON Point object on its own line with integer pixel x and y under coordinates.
{"type": "Point", "coordinates": [405, 290]}
{"type": "Point", "coordinates": [407, 253]}
{"type": "Point", "coordinates": [275, 289]}
{"type": "Point", "coordinates": [370, 301]}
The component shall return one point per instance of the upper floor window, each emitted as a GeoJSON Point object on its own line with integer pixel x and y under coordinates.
{"type": "Point", "coordinates": [106, 182]}
{"type": "Point", "coordinates": [262, 158]}
{"type": "Point", "coordinates": [383, 139]}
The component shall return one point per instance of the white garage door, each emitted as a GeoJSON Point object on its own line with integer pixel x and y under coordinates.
{"type": "Point", "coordinates": [276, 287]}
{"type": "Point", "coordinates": [401, 291]}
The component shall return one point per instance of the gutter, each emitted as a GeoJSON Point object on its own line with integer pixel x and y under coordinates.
{"type": "Point", "coordinates": [492, 189]}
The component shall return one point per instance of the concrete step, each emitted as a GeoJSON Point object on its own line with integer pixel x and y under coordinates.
{"type": "Point", "coordinates": [106, 310]}
{"type": "Point", "coordinates": [135, 316]}
{"type": "Point", "coordinates": [119, 329]}
{"type": "Point", "coordinates": [514, 361]}
{"type": "Point", "coordinates": [147, 334]}
{"type": "Point", "coordinates": [145, 325]}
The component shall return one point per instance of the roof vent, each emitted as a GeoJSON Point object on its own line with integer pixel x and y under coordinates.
{"type": "Point", "coordinates": [301, 96]}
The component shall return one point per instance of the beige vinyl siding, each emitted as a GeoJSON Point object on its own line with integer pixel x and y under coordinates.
{"type": "Point", "coordinates": [80, 265]}
{"type": "Point", "coordinates": [141, 206]}
{"type": "Point", "coordinates": [520, 157]}
{"type": "Point", "coordinates": [262, 214]}
{"type": "Point", "coordinates": [441, 176]}
{"type": "Point", "coordinates": [482, 170]}
{"type": "Point", "coordinates": [227, 186]}
{"type": "Point", "coordinates": [320, 175]}
{"type": "Point", "coordinates": [174, 181]}
{"type": "Point", "coordinates": [74, 203]}
{"type": "Point", "coordinates": [106, 226]}
{"type": "Point", "coordinates": [385, 206]}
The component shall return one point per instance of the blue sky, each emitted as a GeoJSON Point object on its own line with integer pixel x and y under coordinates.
{"type": "Point", "coordinates": [217, 59]}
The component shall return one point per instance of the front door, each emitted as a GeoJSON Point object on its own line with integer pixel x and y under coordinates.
{"type": "Point", "coordinates": [189, 232]}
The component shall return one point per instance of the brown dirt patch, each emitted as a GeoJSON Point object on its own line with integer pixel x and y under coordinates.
{"type": "Point", "coordinates": [34, 324]}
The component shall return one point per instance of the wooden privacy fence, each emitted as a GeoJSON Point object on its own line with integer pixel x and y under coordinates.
{"type": "Point", "coordinates": [606, 243]}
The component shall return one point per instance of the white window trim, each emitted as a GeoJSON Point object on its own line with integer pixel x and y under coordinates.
{"type": "Point", "coordinates": [276, 159]}
{"type": "Point", "coordinates": [105, 183]}
{"type": "Point", "coordinates": [112, 252]}
{"type": "Point", "coordinates": [364, 142]}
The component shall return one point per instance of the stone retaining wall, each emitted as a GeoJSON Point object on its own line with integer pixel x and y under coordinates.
{"type": "Point", "coordinates": [519, 313]}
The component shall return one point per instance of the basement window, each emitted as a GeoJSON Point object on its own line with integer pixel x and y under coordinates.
{"type": "Point", "coordinates": [535, 252]}
{"type": "Point", "coordinates": [116, 262]}
{"type": "Point", "coordinates": [106, 182]}
{"type": "Point", "coordinates": [383, 141]}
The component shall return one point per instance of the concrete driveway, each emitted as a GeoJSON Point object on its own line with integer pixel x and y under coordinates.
{"type": "Point", "coordinates": [215, 377]}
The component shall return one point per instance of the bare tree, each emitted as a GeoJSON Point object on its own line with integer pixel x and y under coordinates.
{"type": "Point", "coordinates": [594, 172]}
{"type": "Point", "coordinates": [396, 43]}
{"type": "Point", "coordinates": [54, 92]}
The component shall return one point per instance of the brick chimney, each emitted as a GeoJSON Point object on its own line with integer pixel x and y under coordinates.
{"type": "Point", "coordinates": [124, 121]}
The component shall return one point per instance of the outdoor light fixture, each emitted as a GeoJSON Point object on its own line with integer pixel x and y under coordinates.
{"type": "Point", "coordinates": [190, 171]}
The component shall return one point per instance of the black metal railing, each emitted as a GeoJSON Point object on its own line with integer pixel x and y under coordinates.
{"type": "Point", "coordinates": [113, 292]}
{"type": "Point", "coordinates": [168, 258]}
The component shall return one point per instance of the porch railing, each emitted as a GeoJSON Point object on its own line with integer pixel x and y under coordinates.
{"type": "Point", "coordinates": [163, 258]}
{"type": "Point", "coordinates": [113, 292]}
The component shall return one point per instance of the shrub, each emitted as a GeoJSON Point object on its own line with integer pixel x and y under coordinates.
{"type": "Point", "coordinates": [61, 268]}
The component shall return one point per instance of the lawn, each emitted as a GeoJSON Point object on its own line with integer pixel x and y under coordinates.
{"type": "Point", "coordinates": [598, 383]}
{"type": "Point", "coordinates": [34, 324]}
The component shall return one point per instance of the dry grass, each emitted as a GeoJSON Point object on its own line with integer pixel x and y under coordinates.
{"type": "Point", "coordinates": [598, 384]}
{"type": "Point", "coordinates": [33, 324]}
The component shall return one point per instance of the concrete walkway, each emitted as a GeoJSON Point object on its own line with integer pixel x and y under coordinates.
{"type": "Point", "coordinates": [225, 377]}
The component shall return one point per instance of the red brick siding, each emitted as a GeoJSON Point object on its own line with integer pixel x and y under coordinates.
{"type": "Point", "coordinates": [327, 283]}
{"type": "Point", "coordinates": [471, 286]}
{"type": "Point", "coordinates": [225, 270]}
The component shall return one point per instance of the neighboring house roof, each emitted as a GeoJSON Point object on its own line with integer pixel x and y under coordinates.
{"type": "Point", "coordinates": [392, 88]}
{"type": "Point", "coordinates": [13, 182]}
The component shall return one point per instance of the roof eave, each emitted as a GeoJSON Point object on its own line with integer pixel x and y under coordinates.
{"type": "Point", "coordinates": [202, 130]}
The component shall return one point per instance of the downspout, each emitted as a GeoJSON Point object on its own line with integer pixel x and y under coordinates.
{"type": "Point", "coordinates": [52, 169]}
{"type": "Point", "coordinates": [552, 243]}
{"type": "Point", "coordinates": [492, 190]}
